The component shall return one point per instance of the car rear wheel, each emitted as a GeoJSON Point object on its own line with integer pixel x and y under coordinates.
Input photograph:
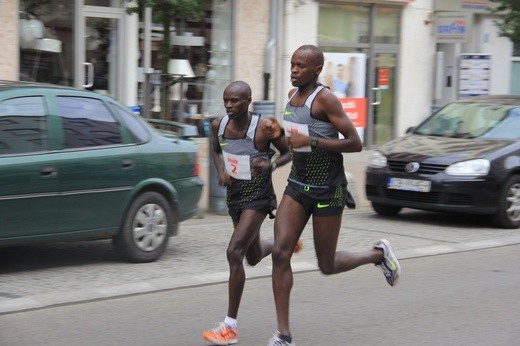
{"type": "Point", "coordinates": [386, 209]}
{"type": "Point", "coordinates": [146, 229]}
{"type": "Point", "coordinates": [508, 215]}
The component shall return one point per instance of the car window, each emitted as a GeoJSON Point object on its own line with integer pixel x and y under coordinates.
{"type": "Point", "coordinates": [23, 125]}
{"type": "Point", "coordinates": [135, 127]}
{"type": "Point", "coordinates": [87, 122]}
{"type": "Point", "coordinates": [464, 120]}
{"type": "Point", "coordinates": [508, 129]}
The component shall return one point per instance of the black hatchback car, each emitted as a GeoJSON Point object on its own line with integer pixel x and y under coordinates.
{"type": "Point", "coordinates": [463, 158]}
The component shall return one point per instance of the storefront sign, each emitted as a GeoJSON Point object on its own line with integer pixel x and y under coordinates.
{"type": "Point", "coordinates": [472, 6]}
{"type": "Point", "coordinates": [356, 109]}
{"type": "Point", "coordinates": [452, 27]}
{"type": "Point", "coordinates": [474, 75]}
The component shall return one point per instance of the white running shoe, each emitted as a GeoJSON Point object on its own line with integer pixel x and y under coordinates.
{"type": "Point", "coordinates": [277, 341]}
{"type": "Point", "coordinates": [390, 264]}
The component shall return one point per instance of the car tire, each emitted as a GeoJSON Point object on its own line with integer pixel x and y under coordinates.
{"type": "Point", "coordinates": [386, 209]}
{"type": "Point", "coordinates": [146, 229]}
{"type": "Point", "coordinates": [508, 214]}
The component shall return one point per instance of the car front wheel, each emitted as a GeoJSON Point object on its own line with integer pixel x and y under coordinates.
{"type": "Point", "coordinates": [508, 215]}
{"type": "Point", "coordinates": [386, 209]}
{"type": "Point", "coordinates": [146, 229]}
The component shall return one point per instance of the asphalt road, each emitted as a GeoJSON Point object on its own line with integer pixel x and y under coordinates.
{"type": "Point", "coordinates": [463, 298]}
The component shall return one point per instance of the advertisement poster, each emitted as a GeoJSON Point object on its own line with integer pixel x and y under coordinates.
{"type": "Point", "coordinates": [345, 75]}
{"type": "Point", "coordinates": [474, 78]}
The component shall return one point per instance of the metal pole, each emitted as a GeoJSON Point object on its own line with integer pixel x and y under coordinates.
{"type": "Point", "coordinates": [217, 194]}
{"type": "Point", "coordinates": [147, 39]}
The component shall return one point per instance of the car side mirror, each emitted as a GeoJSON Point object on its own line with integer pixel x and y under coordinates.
{"type": "Point", "coordinates": [181, 129]}
{"type": "Point", "coordinates": [410, 129]}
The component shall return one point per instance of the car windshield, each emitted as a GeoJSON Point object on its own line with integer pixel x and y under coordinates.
{"type": "Point", "coordinates": [472, 120]}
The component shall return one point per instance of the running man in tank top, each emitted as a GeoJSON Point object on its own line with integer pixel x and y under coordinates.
{"type": "Point", "coordinates": [241, 152]}
{"type": "Point", "coordinates": [317, 186]}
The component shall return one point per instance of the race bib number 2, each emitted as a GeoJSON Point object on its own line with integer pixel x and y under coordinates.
{"type": "Point", "coordinates": [237, 166]}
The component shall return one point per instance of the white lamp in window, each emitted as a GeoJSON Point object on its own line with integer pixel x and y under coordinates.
{"type": "Point", "coordinates": [180, 69]}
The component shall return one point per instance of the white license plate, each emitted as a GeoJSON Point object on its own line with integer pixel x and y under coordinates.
{"type": "Point", "coordinates": [409, 184]}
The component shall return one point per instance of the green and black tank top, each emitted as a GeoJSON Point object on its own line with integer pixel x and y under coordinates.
{"type": "Point", "coordinates": [319, 168]}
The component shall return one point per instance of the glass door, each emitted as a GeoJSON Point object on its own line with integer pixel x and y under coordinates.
{"type": "Point", "coordinates": [100, 61]}
{"type": "Point", "coordinates": [383, 97]}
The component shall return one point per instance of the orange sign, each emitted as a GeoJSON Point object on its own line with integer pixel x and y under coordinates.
{"type": "Point", "coordinates": [383, 75]}
{"type": "Point", "coordinates": [356, 109]}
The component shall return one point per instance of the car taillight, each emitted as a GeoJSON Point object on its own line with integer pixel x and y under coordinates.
{"type": "Point", "coordinates": [196, 167]}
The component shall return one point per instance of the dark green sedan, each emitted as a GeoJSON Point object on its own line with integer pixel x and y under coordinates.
{"type": "Point", "coordinates": [77, 165]}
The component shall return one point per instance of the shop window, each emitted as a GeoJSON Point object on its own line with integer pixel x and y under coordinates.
{"type": "Point", "coordinates": [46, 41]}
{"type": "Point", "coordinates": [200, 66]}
{"type": "Point", "coordinates": [387, 24]}
{"type": "Point", "coordinates": [344, 24]}
{"type": "Point", "coordinates": [350, 24]}
{"type": "Point", "coordinates": [105, 3]}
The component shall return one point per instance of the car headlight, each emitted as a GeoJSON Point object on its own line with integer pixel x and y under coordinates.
{"type": "Point", "coordinates": [377, 160]}
{"type": "Point", "coordinates": [471, 167]}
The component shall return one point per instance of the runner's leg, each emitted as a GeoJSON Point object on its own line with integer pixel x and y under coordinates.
{"type": "Point", "coordinates": [288, 225]}
{"type": "Point", "coordinates": [245, 232]}
{"type": "Point", "coordinates": [326, 231]}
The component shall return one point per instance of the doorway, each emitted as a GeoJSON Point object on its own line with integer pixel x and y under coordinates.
{"type": "Point", "coordinates": [382, 97]}
{"type": "Point", "coordinates": [371, 29]}
{"type": "Point", "coordinates": [99, 53]}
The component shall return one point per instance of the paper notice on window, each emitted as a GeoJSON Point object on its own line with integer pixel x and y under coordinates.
{"type": "Point", "coordinates": [289, 127]}
{"type": "Point", "coordinates": [237, 166]}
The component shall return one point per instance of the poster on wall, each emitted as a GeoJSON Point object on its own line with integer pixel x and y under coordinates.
{"type": "Point", "coordinates": [345, 75]}
{"type": "Point", "coordinates": [474, 75]}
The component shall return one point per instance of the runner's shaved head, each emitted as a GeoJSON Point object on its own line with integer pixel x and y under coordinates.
{"type": "Point", "coordinates": [240, 87]}
{"type": "Point", "coordinates": [313, 53]}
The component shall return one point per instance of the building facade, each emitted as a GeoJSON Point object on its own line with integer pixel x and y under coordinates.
{"type": "Point", "coordinates": [390, 61]}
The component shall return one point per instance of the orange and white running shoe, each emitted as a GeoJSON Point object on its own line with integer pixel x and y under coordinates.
{"type": "Point", "coordinates": [221, 335]}
{"type": "Point", "coordinates": [298, 247]}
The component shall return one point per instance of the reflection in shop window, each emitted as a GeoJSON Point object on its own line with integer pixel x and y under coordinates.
{"type": "Point", "coordinates": [207, 44]}
{"type": "Point", "coordinates": [46, 48]}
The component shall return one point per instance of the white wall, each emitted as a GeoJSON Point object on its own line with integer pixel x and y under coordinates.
{"type": "Point", "coordinates": [300, 26]}
{"type": "Point", "coordinates": [131, 58]}
{"type": "Point", "coordinates": [501, 49]}
{"type": "Point", "coordinates": [417, 65]}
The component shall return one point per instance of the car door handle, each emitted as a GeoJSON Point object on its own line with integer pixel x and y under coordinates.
{"type": "Point", "coordinates": [48, 172]}
{"type": "Point", "coordinates": [127, 164]}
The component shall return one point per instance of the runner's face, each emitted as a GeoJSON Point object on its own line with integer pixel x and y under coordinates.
{"type": "Point", "coordinates": [236, 103]}
{"type": "Point", "coordinates": [304, 69]}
